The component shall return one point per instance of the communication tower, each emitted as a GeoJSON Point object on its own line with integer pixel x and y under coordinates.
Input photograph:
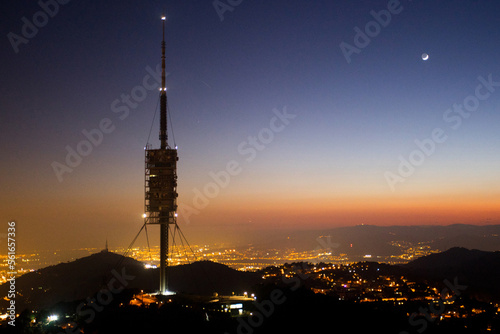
{"type": "Point", "coordinates": [161, 181]}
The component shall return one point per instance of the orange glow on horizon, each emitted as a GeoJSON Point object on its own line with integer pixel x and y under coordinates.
{"type": "Point", "coordinates": [438, 210]}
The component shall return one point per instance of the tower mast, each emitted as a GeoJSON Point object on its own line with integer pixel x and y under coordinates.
{"type": "Point", "coordinates": [163, 145]}
{"type": "Point", "coordinates": [163, 95]}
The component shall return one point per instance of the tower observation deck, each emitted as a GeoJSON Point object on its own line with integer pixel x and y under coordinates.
{"type": "Point", "coordinates": [160, 184]}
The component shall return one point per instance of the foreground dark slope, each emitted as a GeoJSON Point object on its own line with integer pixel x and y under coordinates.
{"type": "Point", "coordinates": [84, 277]}
{"type": "Point", "coordinates": [299, 308]}
{"type": "Point", "coordinates": [479, 270]}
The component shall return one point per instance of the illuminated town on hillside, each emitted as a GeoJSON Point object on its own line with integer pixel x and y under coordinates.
{"type": "Point", "coordinates": [359, 282]}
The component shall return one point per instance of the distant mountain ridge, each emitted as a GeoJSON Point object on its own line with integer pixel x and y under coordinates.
{"type": "Point", "coordinates": [378, 240]}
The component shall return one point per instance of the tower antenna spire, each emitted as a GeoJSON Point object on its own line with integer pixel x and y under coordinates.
{"type": "Point", "coordinates": [163, 94]}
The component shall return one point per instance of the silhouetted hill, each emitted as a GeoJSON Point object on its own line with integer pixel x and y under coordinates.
{"type": "Point", "coordinates": [83, 278]}
{"type": "Point", "coordinates": [69, 281]}
{"type": "Point", "coordinates": [479, 270]}
{"type": "Point", "coordinates": [452, 259]}
{"type": "Point", "coordinates": [206, 277]}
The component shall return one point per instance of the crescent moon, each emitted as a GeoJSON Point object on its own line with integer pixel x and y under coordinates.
{"type": "Point", "coordinates": [425, 56]}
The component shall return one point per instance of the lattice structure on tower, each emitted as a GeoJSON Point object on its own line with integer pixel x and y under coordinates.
{"type": "Point", "coordinates": [161, 185]}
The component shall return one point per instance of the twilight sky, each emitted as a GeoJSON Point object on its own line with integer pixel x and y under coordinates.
{"type": "Point", "coordinates": [286, 113]}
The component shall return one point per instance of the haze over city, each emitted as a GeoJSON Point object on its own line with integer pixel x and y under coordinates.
{"type": "Point", "coordinates": [288, 115]}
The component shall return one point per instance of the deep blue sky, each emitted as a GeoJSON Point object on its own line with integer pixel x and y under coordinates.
{"type": "Point", "coordinates": [326, 168]}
